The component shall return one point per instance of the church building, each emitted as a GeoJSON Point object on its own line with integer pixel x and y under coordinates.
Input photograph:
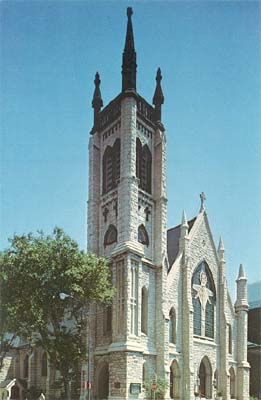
{"type": "Point", "coordinates": [172, 321]}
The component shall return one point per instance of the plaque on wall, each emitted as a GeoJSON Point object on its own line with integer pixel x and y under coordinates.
{"type": "Point", "coordinates": [117, 385]}
{"type": "Point", "coordinates": [135, 388]}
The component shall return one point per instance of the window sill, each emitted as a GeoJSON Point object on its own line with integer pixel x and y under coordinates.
{"type": "Point", "coordinates": [204, 339]}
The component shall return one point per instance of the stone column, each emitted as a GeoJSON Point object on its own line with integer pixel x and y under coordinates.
{"type": "Point", "coordinates": [241, 308]}
{"type": "Point", "coordinates": [94, 193]}
{"type": "Point", "coordinates": [223, 378]}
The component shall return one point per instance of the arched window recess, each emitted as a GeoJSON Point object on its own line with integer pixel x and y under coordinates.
{"type": "Point", "coordinates": [172, 326]}
{"type": "Point", "coordinates": [143, 165]}
{"type": "Point", "coordinates": [143, 236]}
{"type": "Point", "coordinates": [111, 166]}
{"type": "Point", "coordinates": [110, 235]}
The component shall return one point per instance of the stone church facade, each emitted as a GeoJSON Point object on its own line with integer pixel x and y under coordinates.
{"type": "Point", "coordinates": [172, 318]}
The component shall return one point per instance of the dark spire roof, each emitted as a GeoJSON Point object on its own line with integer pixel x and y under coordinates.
{"type": "Point", "coordinates": [129, 57]}
{"type": "Point", "coordinates": [158, 98]}
{"type": "Point", "coordinates": [97, 99]}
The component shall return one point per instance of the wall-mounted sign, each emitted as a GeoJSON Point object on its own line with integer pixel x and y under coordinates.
{"type": "Point", "coordinates": [117, 385]}
{"type": "Point", "coordinates": [135, 388]}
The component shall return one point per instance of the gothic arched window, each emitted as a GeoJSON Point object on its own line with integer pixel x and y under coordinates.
{"type": "Point", "coordinates": [111, 166]}
{"type": "Point", "coordinates": [203, 298]}
{"type": "Point", "coordinates": [143, 235]}
{"type": "Point", "coordinates": [144, 310]}
{"type": "Point", "coordinates": [44, 365]}
{"type": "Point", "coordinates": [172, 326]}
{"type": "Point", "coordinates": [143, 166]}
{"type": "Point", "coordinates": [110, 235]}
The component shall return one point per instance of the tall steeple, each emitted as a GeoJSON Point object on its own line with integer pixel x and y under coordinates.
{"type": "Point", "coordinates": [129, 65]}
{"type": "Point", "coordinates": [97, 102]}
{"type": "Point", "coordinates": [158, 98]}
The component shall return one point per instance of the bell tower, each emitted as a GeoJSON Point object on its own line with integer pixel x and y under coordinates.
{"type": "Point", "coordinates": [127, 224]}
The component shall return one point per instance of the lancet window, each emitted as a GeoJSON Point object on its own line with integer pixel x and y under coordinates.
{"type": "Point", "coordinates": [120, 296]}
{"type": "Point", "coordinates": [172, 326]}
{"type": "Point", "coordinates": [229, 339]}
{"type": "Point", "coordinates": [134, 297]}
{"type": "Point", "coordinates": [203, 298]}
{"type": "Point", "coordinates": [144, 310]}
{"type": "Point", "coordinates": [111, 166]}
{"type": "Point", "coordinates": [143, 166]}
{"type": "Point", "coordinates": [44, 365]}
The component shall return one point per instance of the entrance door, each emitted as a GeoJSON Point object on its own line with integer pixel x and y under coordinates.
{"type": "Point", "coordinates": [205, 378]}
{"type": "Point", "coordinates": [103, 382]}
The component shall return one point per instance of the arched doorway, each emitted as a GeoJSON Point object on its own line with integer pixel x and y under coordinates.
{"type": "Point", "coordinates": [232, 383]}
{"type": "Point", "coordinates": [103, 382]}
{"type": "Point", "coordinates": [205, 378]}
{"type": "Point", "coordinates": [15, 393]}
{"type": "Point", "coordinates": [174, 380]}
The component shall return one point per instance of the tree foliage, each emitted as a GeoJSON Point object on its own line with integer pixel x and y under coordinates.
{"type": "Point", "coordinates": [46, 287]}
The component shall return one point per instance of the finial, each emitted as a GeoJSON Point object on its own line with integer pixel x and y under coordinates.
{"type": "Point", "coordinates": [202, 199]}
{"type": "Point", "coordinates": [129, 12]}
{"type": "Point", "coordinates": [158, 98]}
{"type": "Point", "coordinates": [241, 272]}
{"type": "Point", "coordinates": [129, 65]}
{"type": "Point", "coordinates": [97, 102]}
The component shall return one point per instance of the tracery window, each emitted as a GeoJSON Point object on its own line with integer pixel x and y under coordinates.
{"type": "Point", "coordinates": [143, 166]}
{"type": "Point", "coordinates": [203, 298]}
{"type": "Point", "coordinates": [143, 236]}
{"type": "Point", "coordinates": [111, 166]}
{"type": "Point", "coordinates": [144, 310]}
{"type": "Point", "coordinates": [110, 235]}
{"type": "Point", "coordinates": [172, 326]}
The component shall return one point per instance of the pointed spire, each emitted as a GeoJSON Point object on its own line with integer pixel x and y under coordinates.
{"type": "Point", "coordinates": [184, 226]}
{"type": "Point", "coordinates": [129, 57]}
{"type": "Point", "coordinates": [97, 102]}
{"type": "Point", "coordinates": [158, 98]}
{"type": "Point", "coordinates": [184, 221]}
{"type": "Point", "coordinates": [221, 249]}
{"type": "Point", "coordinates": [241, 272]}
{"type": "Point", "coordinates": [221, 245]}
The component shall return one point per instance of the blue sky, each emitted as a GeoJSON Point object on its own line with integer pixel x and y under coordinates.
{"type": "Point", "coordinates": [210, 57]}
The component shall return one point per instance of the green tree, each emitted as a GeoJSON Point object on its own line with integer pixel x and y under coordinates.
{"type": "Point", "coordinates": [47, 285]}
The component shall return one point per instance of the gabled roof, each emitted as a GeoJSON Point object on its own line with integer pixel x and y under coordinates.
{"type": "Point", "coordinates": [173, 235]}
